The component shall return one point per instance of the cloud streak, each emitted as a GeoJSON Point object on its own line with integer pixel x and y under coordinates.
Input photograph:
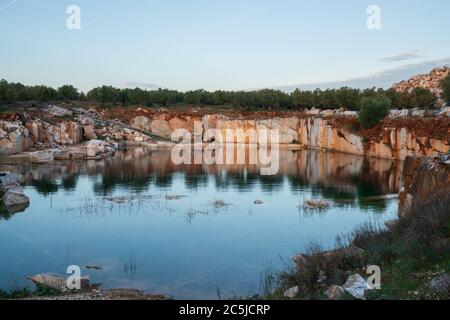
{"type": "Point", "coordinates": [383, 79]}
{"type": "Point", "coordinates": [404, 56]}
{"type": "Point", "coordinates": [7, 5]}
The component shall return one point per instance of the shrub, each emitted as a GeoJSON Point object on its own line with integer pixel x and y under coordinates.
{"type": "Point", "coordinates": [373, 109]}
{"type": "Point", "coordinates": [446, 87]}
{"type": "Point", "coordinates": [423, 98]}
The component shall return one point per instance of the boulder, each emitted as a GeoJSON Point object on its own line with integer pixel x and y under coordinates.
{"type": "Point", "coordinates": [316, 204]}
{"type": "Point", "coordinates": [335, 293]}
{"type": "Point", "coordinates": [58, 111]}
{"type": "Point", "coordinates": [7, 177]}
{"type": "Point", "coordinates": [313, 112]}
{"type": "Point", "coordinates": [141, 123]}
{"type": "Point", "coordinates": [445, 112]}
{"type": "Point", "coordinates": [357, 286]}
{"type": "Point", "coordinates": [441, 284]}
{"type": "Point", "coordinates": [56, 282]}
{"type": "Point", "coordinates": [161, 128]}
{"type": "Point", "coordinates": [349, 114]}
{"type": "Point", "coordinates": [393, 114]}
{"type": "Point", "coordinates": [292, 292]}
{"type": "Point", "coordinates": [327, 113]}
{"type": "Point", "coordinates": [96, 148]}
{"type": "Point", "coordinates": [15, 200]}
{"type": "Point", "coordinates": [416, 112]}
{"type": "Point", "coordinates": [41, 157]}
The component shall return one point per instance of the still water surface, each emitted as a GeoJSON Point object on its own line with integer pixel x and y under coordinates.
{"type": "Point", "coordinates": [186, 230]}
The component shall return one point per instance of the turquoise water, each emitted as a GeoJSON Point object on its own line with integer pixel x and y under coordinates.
{"type": "Point", "coordinates": [185, 231]}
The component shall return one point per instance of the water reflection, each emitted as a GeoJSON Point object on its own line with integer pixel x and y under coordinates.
{"type": "Point", "coordinates": [345, 178]}
{"type": "Point", "coordinates": [201, 217]}
{"type": "Point", "coordinates": [330, 175]}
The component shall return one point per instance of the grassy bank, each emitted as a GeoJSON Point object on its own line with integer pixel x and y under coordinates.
{"type": "Point", "coordinates": [413, 251]}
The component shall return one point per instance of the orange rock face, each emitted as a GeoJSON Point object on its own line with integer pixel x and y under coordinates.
{"type": "Point", "coordinates": [431, 81]}
{"type": "Point", "coordinates": [313, 132]}
{"type": "Point", "coordinates": [424, 179]}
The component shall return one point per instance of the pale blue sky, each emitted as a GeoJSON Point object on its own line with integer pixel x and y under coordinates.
{"type": "Point", "coordinates": [214, 44]}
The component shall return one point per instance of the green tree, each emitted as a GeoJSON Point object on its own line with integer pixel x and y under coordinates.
{"type": "Point", "coordinates": [68, 93]}
{"type": "Point", "coordinates": [446, 89]}
{"type": "Point", "coordinates": [42, 93]}
{"type": "Point", "coordinates": [400, 100]}
{"type": "Point", "coordinates": [373, 109]}
{"type": "Point", "coordinates": [104, 94]}
{"type": "Point", "coordinates": [423, 98]}
{"type": "Point", "coordinates": [347, 98]}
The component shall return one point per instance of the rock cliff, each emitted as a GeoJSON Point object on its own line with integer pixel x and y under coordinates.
{"type": "Point", "coordinates": [394, 139]}
{"type": "Point", "coordinates": [393, 142]}
{"type": "Point", "coordinates": [424, 180]}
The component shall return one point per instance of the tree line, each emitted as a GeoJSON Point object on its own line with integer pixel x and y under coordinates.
{"type": "Point", "coordinates": [345, 97]}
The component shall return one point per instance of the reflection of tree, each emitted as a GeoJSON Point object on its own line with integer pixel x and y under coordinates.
{"type": "Point", "coordinates": [194, 181]}
{"type": "Point", "coordinates": [109, 182]}
{"type": "Point", "coordinates": [69, 183]}
{"type": "Point", "coordinates": [4, 214]}
{"type": "Point", "coordinates": [271, 183]}
{"type": "Point", "coordinates": [241, 181]}
{"type": "Point", "coordinates": [45, 186]}
{"type": "Point", "coordinates": [344, 178]}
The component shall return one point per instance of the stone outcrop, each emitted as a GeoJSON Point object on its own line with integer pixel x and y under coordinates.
{"type": "Point", "coordinates": [424, 179]}
{"type": "Point", "coordinates": [431, 81]}
{"type": "Point", "coordinates": [14, 138]}
{"type": "Point", "coordinates": [12, 193]}
{"type": "Point", "coordinates": [64, 133]}
{"type": "Point", "coordinates": [99, 149]}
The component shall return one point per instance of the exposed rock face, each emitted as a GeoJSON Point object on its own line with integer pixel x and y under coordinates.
{"type": "Point", "coordinates": [423, 179]}
{"type": "Point", "coordinates": [313, 132]}
{"type": "Point", "coordinates": [429, 81]}
{"type": "Point", "coordinates": [65, 133]}
{"type": "Point", "coordinates": [14, 138]}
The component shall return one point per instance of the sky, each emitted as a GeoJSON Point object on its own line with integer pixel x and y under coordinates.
{"type": "Point", "coordinates": [217, 44]}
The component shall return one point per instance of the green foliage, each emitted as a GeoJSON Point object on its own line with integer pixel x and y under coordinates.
{"type": "Point", "coordinates": [423, 98]}
{"type": "Point", "coordinates": [68, 93]}
{"type": "Point", "coordinates": [16, 293]}
{"type": "Point", "coordinates": [373, 109]}
{"type": "Point", "coordinates": [270, 99]}
{"type": "Point", "coordinates": [446, 89]}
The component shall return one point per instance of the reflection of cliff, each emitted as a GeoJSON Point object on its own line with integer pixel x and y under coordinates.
{"type": "Point", "coordinates": [334, 175]}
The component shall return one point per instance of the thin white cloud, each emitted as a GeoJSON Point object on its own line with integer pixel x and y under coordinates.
{"type": "Point", "coordinates": [409, 55]}
{"type": "Point", "coordinates": [142, 85]}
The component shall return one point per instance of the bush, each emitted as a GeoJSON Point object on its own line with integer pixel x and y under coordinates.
{"type": "Point", "coordinates": [373, 109]}
{"type": "Point", "coordinates": [423, 98]}
{"type": "Point", "coordinates": [446, 88]}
